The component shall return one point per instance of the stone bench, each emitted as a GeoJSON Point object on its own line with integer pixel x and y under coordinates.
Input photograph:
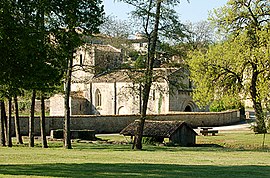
{"type": "Point", "coordinates": [74, 134]}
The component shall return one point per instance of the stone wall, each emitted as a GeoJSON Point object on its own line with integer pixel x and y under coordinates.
{"type": "Point", "coordinates": [115, 123]}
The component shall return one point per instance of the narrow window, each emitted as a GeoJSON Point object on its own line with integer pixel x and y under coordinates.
{"type": "Point", "coordinates": [97, 98]}
{"type": "Point", "coordinates": [81, 59]}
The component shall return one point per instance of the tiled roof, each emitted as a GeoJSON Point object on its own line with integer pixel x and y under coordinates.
{"type": "Point", "coordinates": [155, 128]}
{"type": "Point", "coordinates": [107, 48]}
{"type": "Point", "coordinates": [132, 75]}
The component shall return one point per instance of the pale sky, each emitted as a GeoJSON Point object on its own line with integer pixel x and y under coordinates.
{"type": "Point", "coordinates": [196, 10]}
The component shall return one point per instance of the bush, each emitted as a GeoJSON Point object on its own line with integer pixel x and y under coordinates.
{"type": "Point", "coordinates": [218, 106]}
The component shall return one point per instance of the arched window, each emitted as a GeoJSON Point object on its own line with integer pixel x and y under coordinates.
{"type": "Point", "coordinates": [97, 98]}
{"type": "Point", "coordinates": [154, 94]}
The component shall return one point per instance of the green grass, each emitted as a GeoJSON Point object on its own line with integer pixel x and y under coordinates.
{"type": "Point", "coordinates": [232, 154]}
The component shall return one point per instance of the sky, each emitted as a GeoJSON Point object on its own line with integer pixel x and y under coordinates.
{"type": "Point", "coordinates": [195, 11]}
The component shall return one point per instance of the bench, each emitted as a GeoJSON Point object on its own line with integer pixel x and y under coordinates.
{"type": "Point", "coordinates": [206, 132]}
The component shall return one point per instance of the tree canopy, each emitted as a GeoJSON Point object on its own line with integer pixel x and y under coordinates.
{"type": "Point", "coordinates": [38, 40]}
{"type": "Point", "coordinates": [238, 66]}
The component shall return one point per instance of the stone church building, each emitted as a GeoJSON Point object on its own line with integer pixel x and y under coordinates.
{"type": "Point", "coordinates": [119, 91]}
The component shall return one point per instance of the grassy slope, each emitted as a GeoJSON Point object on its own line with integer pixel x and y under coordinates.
{"type": "Point", "coordinates": [226, 155]}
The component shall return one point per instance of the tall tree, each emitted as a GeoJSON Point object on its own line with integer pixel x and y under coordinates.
{"type": "Point", "coordinates": [4, 123]}
{"type": "Point", "coordinates": [2, 126]}
{"type": "Point", "coordinates": [32, 119]}
{"type": "Point", "coordinates": [42, 122]}
{"type": "Point", "coordinates": [9, 47]}
{"type": "Point", "coordinates": [157, 18]}
{"type": "Point", "coordinates": [238, 66]}
{"type": "Point", "coordinates": [9, 138]}
{"type": "Point", "coordinates": [77, 18]}
{"type": "Point", "coordinates": [17, 121]}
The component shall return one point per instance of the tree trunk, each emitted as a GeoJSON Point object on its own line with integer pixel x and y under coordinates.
{"type": "Point", "coordinates": [67, 138]}
{"type": "Point", "coordinates": [17, 122]}
{"type": "Point", "coordinates": [2, 124]}
{"type": "Point", "coordinates": [31, 120]}
{"type": "Point", "coordinates": [148, 79]}
{"type": "Point", "coordinates": [260, 118]}
{"type": "Point", "coordinates": [9, 138]}
{"type": "Point", "coordinates": [42, 123]}
{"type": "Point", "coordinates": [257, 105]}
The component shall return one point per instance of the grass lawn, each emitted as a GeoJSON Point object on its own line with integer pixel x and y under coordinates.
{"type": "Point", "coordinates": [229, 154]}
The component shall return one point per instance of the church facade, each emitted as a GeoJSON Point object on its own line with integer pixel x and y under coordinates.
{"type": "Point", "coordinates": [119, 92]}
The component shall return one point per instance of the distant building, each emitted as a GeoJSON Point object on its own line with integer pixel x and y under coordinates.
{"type": "Point", "coordinates": [92, 59]}
{"type": "Point", "coordinates": [119, 92]}
{"type": "Point", "coordinates": [140, 43]}
{"type": "Point", "coordinates": [98, 87]}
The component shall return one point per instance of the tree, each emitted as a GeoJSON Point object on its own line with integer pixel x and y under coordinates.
{"type": "Point", "coordinates": [9, 46]}
{"type": "Point", "coordinates": [75, 19]}
{"type": "Point", "coordinates": [30, 60]}
{"type": "Point", "coordinates": [17, 122]}
{"type": "Point", "coordinates": [157, 19]}
{"type": "Point", "coordinates": [116, 28]}
{"type": "Point", "coordinates": [3, 124]}
{"type": "Point", "coordinates": [196, 36]}
{"type": "Point", "coordinates": [9, 138]}
{"type": "Point", "coordinates": [200, 35]}
{"type": "Point", "coordinates": [31, 120]}
{"type": "Point", "coordinates": [2, 128]}
{"type": "Point", "coordinates": [239, 65]}
{"type": "Point", "coordinates": [42, 122]}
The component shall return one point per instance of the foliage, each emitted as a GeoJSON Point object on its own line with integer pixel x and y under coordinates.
{"type": "Point", "coordinates": [237, 67]}
{"type": "Point", "coordinates": [115, 28]}
{"type": "Point", "coordinates": [199, 35]}
{"type": "Point", "coordinates": [38, 39]}
{"type": "Point", "coordinates": [223, 105]}
{"type": "Point", "coordinates": [140, 62]}
{"type": "Point", "coordinates": [31, 61]}
{"type": "Point", "coordinates": [144, 18]}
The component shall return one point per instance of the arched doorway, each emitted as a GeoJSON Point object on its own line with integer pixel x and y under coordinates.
{"type": "Point", "coordinates": [188, 109]}
{"type": "Point", "coordinates": [121, 110]}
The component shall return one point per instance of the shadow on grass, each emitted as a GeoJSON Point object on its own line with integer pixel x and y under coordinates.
{"type": "Point", "coordinates": [128, 147]}
{"type": "Point", "coordinates": [134, 170]}
{"type": "Point", "coordinates": [148, 147]}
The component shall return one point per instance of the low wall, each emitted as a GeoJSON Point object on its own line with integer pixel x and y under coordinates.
{"type": "Point", "coordinates": [115, 123]}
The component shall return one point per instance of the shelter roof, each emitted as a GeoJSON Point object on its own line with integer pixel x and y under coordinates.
{"type": "Point", "coordinates": [156, 128]}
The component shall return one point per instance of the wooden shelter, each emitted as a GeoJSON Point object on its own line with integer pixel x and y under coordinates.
{"type": "Point", "coordinates": [178, 132]}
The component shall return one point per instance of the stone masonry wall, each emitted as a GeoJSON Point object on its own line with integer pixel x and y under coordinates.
{"type": "Point", "coordinates": [115, 123]}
